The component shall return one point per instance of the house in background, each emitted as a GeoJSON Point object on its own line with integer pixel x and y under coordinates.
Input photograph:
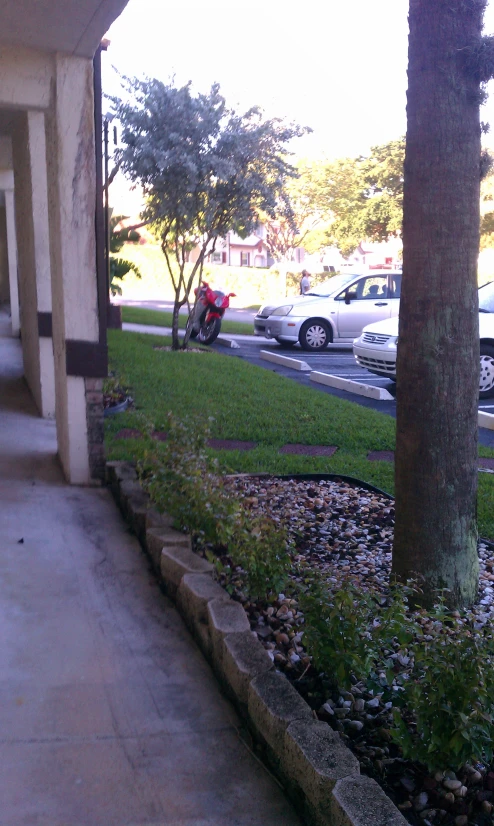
{"type": "Point", "coordinates": [52, 239]}
{"type": "Point", "coordinates": [252, 251]}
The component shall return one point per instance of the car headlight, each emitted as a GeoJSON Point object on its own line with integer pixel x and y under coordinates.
{"type": "Point", "coordinates": [282, 310]}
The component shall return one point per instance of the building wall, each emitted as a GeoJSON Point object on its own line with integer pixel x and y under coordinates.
{"type": "Point", "coordinates": [4, 259]}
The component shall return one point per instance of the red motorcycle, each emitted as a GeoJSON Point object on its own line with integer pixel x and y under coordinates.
{"type": "Point", "coordinates": [209, 310]}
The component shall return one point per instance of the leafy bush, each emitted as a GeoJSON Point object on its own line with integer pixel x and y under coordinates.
{"type": "Point", "coordinates": [444, 694]}
{"type": "Point", "coordinates": [449, 695]}
{"type": "Point", "coordinates": [347, 631]}
{"type": "Point", "coordinates": [182, 479]}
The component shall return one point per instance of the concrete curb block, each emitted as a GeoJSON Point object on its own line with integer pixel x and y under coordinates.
{"type": "Point", "coordinates": [315, 757]}
{"type": "Point", "coordinates": [243, 659]}
{"type": "Point", "coordinates": [193, 595]}
{"type": "Point", "coordinates": [486, 420]}
{"type": "Point", "coordinates": [351, 386]}
{"type": "Point", "coordinates": [224, 618]}
{"type": "Point", "coordinates": [359, 801]}
{"type": "Point", "coordinates": [163, 537]}
{"type": "Point", "coordinates": [285, 361]}
{"type": "Point", "coordinates": [176, 561]}
{"type": "Point", "coordinates": [228, 342]}
{"type": "Point", "coordinates": [273, 704]}
{"type": "Point", "coordinates": [316, 768]}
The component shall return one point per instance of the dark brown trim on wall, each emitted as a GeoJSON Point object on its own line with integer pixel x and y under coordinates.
{"type": "Point", "coordinates": [99, 217]}
{"type": "Point", "coordinates": [45, 325]}
{"type": "Point", "coordinates": [86, 358]}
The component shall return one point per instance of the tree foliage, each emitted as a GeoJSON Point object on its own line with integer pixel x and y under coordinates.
{"type": "Point", "coordinates": [119, 267]}
{"type": "Point", "coordinates": [204, 170]}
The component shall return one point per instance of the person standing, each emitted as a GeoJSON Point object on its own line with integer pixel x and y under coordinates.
{"type": "Point", "coordinates": [304, 283]}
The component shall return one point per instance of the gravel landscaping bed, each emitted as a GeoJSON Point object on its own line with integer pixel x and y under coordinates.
{"type": "Point", "coordinates": [346, 532]}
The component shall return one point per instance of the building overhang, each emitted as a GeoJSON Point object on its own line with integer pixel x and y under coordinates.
{"type": "Point", "coordinates": [73, 27]}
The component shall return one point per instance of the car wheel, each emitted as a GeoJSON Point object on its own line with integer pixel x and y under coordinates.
{"type": "Point", "coordinates": [486, 379]}
{"type": "Point", "coordinates": [315, 335]}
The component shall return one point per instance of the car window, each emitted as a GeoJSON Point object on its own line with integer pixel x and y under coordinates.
{"type": "Point", "coordinates": [372, 287]}
{"type": "Point", "coordinates": [396, 285]}
{"type": "Point", "coordinates": [486, 297]}
{"type": "Point", "coordinates": [332, 285]}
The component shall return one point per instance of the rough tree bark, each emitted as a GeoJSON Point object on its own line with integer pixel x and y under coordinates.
{"type": "Point", "coordinates": [438, 350]}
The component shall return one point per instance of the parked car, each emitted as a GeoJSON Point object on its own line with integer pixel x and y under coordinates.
{"type": "Point", "coordinates": [376, 348]}
{"type": "Point", "coordinates": [335, 311]}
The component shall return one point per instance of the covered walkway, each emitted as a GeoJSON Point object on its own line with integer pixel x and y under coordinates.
{"type": "Point", "coordinates": [109, 716]}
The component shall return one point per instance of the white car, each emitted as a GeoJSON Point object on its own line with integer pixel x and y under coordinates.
{"type": "Point", "coordinates": [376, 348]}
{"type": "Point", "coordinates": [335, 311]}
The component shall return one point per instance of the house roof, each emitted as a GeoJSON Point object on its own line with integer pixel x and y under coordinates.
{"type": "Point", "coordinates": [250, 241]}
{"type": "Point", "coordinates": [71, 26]}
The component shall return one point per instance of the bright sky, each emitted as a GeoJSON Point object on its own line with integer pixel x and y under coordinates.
{"type": "Point", "coordinates": [338, 66]}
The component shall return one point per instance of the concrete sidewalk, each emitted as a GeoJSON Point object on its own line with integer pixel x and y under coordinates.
{"type": "Point", "coordinates": [109, 715]}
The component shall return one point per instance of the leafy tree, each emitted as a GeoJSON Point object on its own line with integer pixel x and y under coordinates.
{"type": "Point", "coordinates": [365, 196]}
{"type": "Point", "coordinates": [438, 353]}
{"type": "Point", "coordinates": [119, 267]}
{"type": "Point", "coordinates": [204, 170]}
{"type": "Point", "coordinates": [298, 213]}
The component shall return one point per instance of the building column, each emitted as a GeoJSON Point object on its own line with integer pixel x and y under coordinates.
{"type": "Point", "coordinates": [31, 205]}
{"type": "Point", "coordinates": [79, 346]}
{"type": "Point", "coordinates": [12, 259]}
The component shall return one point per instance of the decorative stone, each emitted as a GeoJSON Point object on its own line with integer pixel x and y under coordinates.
{"type": "Point", "coordinates": [159, 538]}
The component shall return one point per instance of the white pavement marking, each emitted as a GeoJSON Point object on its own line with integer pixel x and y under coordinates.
{"type": "Point", "coordinates": [285, 361]}
{"type": "Point", "coordinates": [352, 386]}
{"type": "Point", "coordinates": [486, 420]}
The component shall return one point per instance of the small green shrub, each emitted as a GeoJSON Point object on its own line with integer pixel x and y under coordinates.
{"type": "Point", "coordinates": [449, 696]}
{"type": "Point", "coordinates": [182, 479]}
{"type": "Point", "coordinates": [347, 630]}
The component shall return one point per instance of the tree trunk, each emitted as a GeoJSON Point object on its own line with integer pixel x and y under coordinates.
{"type": "Point", "coordinates": [175, 317]}
{"type": "Point", "coordinates": [438, 350]}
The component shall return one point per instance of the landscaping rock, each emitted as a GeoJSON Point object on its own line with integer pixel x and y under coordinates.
{"type": "Point", "coordinates": [178, 560]}
{"type": "Point", "coordinates": [273, 704]}
{"type": "Point", "coordinates": [242, 659]}
{"type": "Point", "coordinates": [193, 595]}
{"type": "Point", "coordinates": [315, 757]}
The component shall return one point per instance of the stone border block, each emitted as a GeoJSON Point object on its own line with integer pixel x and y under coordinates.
{"type": "Point", "coordinates": [315, 757]}
{"type": "Point", "coordinates": [159, 538]}
{"type": "Point", "coordinates": [273, 704]}
{"type": "Point", "coordinates": [242, 659]}
{"type": "Point", "coordinates": [176, 561]}
{"type": "Point", "coordinates": [193, 595]}
{"type": "Point", "coordinates": [359, 801]}
{"type": "Point", "coordinates": [224, 618]}
{"type": "Point", "coordinates": [119, 471]}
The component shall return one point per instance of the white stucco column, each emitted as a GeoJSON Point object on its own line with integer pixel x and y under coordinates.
{"type": "Point", "coordinates": [31, 202]}
{"type": "Point", "coordinates": [72, 200]}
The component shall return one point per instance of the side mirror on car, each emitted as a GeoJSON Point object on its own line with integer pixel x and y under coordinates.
{"type": "Point", "coordinates": [350, 295]}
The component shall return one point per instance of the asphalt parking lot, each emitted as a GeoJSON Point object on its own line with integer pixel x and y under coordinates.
{"type": "Point", "coordinates": [337, 360]}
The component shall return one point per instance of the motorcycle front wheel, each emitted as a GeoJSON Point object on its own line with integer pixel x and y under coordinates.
{"type": "Point", "coordinates": [209, 331]}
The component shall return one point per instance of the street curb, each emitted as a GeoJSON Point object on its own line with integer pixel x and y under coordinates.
{"type": "Point", "coordinates": [486, 420]}
{"type": "Point", "coordinates": [350, 386]}
{"type": "Point", "coordinates": [316, 769]}
{"type": "Point", "coordinates": [285, 361]}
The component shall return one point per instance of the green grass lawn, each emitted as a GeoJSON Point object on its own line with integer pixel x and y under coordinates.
{"type": "Point", "coordinates": [253, 404]}
{"type": "Point", "coordinates": [157, 318]}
